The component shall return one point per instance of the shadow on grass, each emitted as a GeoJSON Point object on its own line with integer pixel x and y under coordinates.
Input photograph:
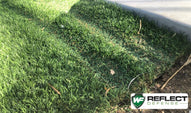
{"type": "Point", "coordinates": [95, 49]}
{"type": "Point", "coordinates": [42, 63]}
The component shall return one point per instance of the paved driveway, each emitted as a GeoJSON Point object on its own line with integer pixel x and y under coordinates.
{"type": "Point", "coordinates": [176, 14]}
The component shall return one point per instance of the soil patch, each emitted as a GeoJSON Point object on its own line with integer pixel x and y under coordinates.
{"type": "Point", "coordinates": [181, 83]}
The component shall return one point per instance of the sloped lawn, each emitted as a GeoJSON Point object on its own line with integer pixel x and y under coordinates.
{"type": "Point", "coordinates": [89, 50]}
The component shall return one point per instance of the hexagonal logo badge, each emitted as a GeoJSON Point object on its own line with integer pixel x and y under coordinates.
{"type": "Point", "coordinates": [138, 100]}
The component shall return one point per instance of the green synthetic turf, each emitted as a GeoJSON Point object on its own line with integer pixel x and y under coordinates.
{"type": "Point", "coordinates": [73, 45]}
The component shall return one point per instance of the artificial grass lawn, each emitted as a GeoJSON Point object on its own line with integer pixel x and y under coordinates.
{"type": "Point", "coordinates": [74, 49]}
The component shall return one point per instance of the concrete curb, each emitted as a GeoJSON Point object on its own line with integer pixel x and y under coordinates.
{"type": "Point", "coordinates": [160, 20]}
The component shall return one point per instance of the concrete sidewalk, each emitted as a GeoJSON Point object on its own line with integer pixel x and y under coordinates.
{"type": "Point", "coordinates": [175, 14]}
